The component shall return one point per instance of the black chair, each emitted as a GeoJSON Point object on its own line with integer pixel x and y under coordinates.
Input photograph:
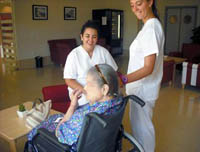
{"type": "Point", "coordinates": [100, 133]}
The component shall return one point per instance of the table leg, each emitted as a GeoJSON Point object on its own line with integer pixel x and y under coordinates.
{"type": "Point", "coordinates": [174, 73]}
{"type": "Point", "coordinates": [12, 146]}
{"type": "Point", "coordinates": [170, 83]}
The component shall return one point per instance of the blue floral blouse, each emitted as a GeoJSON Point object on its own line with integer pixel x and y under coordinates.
{"type": "Point", "coordinates": [69, 131]}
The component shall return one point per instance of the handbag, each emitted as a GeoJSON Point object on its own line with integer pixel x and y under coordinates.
{"type": "Point", "coordinates": [38, 113]}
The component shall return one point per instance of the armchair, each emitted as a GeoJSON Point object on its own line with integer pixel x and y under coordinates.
{"type": "Point", "coordinates": [168, 71]}
{"type": "Point", "coordinates": [59, 96]}
{"type": "Point", "coordinates": [189, 51]}
{"type": "Point", "coordinates": [59, 49]}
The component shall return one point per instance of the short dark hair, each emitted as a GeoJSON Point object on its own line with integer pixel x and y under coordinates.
{"type": "Point", "coordinates": [90, 24]}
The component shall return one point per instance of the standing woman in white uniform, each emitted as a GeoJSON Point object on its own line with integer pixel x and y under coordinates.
{"type": "Point", "coordinates": [83, 57]}
{"type": "Point", "coordinates": [145, 70]}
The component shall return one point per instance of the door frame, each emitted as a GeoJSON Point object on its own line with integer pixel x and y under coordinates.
{"type": "Point", "coordinates": [165, 20]}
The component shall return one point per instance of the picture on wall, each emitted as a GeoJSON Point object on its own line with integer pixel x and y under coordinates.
{"type": "Point", "coordinates": [40, 12]}
{"type": "Point", "coordinates": [69, 13]}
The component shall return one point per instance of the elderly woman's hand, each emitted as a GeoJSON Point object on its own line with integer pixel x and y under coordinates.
{"type": "Point", "coordinates": [74, 96]}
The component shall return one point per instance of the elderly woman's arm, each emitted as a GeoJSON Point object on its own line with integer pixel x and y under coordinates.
{"type": "Point", "coordinates": [73, 105]}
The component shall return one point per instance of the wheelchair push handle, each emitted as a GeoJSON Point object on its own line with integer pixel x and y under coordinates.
{"type": "Point", "coordinates": [135, 99]}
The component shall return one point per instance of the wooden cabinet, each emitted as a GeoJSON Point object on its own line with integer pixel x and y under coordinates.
{"type": "Point", "coordinates": [111, 27]}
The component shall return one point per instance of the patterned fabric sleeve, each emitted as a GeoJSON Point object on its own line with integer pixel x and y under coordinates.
{"type": "Point", "coordinates": [49, 124]}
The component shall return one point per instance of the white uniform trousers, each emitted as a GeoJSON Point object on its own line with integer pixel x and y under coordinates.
{"type": "Point", "coordinates": [142, 126]}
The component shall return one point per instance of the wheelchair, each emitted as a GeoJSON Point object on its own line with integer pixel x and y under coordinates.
{"type": "Point", "coordinates": [100, 133]}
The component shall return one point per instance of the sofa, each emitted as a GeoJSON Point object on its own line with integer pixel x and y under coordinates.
{"type": "Point", "coordinates": [190, 74]}
{"type": "Point", "coordinates": [189, 51]}
{"type": "Point", "coordinates": [60, 48]}
{"type": "Point", "coordinates": [168, 71]}
{"type": "Point", "coordinates": [59, 96]}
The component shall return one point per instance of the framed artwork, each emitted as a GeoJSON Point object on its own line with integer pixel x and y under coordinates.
{"type": "Point", "coordinates": [40, 12]}
{"type": "Point", "coordinates": [69, 13]}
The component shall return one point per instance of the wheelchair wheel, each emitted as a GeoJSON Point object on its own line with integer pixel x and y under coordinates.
{"type": "Point", "coordinates": [130, 144]}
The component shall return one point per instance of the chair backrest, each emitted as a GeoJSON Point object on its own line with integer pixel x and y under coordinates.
{"type": "Point", "coordinates": [59, 49]}
{"type": "Point", "coordinates": [55, 43]}
{"type": "Point", "coordinates": [190, 51]}
{"type": "Point", "coordinates": [56, 93]}
{"type": "Point", "coordinates": [168, 70]}
{"type": "Point", "coordinates": [99, 132]}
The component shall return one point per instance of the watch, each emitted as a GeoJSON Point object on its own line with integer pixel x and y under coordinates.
{"type": "Point", "coordinates": [124, 79]}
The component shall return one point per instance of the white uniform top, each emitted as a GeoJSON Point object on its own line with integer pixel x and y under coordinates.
{"type": "Point", "coordinates": [79, 62]}
{"type": "Point", "coordinates": [150, 40]}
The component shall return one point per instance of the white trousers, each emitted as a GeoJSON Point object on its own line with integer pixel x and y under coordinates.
{"type": "Point", "coordinates": [142, 126]}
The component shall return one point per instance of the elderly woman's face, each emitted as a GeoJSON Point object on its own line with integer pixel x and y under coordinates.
{"type": "Point", "coordinates": [93, 91]}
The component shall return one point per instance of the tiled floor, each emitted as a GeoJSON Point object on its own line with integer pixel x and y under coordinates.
{"type": "Point", "coordinates": [176, 114]}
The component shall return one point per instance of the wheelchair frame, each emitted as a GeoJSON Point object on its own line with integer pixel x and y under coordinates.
{"type": "Point", "coordinates": [44, 138]}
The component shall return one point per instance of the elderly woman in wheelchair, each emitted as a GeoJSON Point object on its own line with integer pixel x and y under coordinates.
{"type": "Point", "coordinates": [94, 127]}
{"type": "Point", "coordinates": [101, 91]}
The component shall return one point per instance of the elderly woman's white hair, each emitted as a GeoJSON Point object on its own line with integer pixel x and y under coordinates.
{"type": "Point", "coordinates": [107, 73]}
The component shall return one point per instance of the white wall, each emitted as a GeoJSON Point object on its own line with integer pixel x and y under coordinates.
{"type": "Point", "coordinates": [32, 35]}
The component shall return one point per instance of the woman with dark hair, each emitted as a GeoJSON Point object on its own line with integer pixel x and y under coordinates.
{"type": "Point", "coordinates": [85, 56]}
{"type": "Point", "coordinates": [145, 71]}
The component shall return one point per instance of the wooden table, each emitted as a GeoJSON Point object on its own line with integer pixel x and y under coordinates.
{"type": "Point", "coordinates": [177, 60]}
{"type": "Point", "coordinates": [12, 127]}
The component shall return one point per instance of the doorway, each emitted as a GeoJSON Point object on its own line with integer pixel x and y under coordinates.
{"type": "Point", "coordinates": [179, 22]}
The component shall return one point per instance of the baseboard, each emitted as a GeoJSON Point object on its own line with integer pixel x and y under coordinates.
{"type": "Point", "coordinates": [31, 63]}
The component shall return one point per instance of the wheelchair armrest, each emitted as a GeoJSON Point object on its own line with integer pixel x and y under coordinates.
{"type": "Point", "coordinates": [97, 117]}
{"type": "Point", "coordinates": [50, 137]}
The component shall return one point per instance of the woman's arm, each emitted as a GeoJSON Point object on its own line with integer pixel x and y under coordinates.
{"type": "Point", "coordinates": [75, 95]}
{"type": "Point", "coordinates": [149, 62]}
{"type": "Point", "coordinates": [73, 105]}
{"type": "Point", "coordinates": [72, 83]}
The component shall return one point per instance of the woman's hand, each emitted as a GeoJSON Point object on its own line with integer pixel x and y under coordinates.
{"type": "Point", "coordinates": [122, 80]}
{"type": "Point", "coordinates": [62, 121]}
{"type": "Point", "coordinates": [74, 96]}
